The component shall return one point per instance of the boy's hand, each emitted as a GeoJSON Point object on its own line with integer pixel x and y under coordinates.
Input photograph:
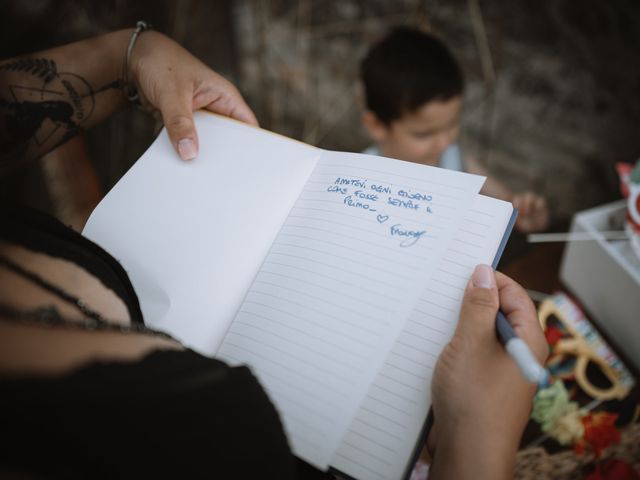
{"type": "Point", "coordinates": [533, 215]}
{"type": "Point", "coordinates": [481, 401]}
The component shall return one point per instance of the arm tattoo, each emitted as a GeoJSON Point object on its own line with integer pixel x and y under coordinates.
{"type": "Point", "coordinates": [41, 108]}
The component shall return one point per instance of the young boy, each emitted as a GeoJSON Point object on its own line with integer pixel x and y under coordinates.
{"type": "Point", "coordinates": [413, 90]}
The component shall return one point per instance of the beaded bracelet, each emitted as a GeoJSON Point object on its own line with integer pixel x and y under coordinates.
{"type": "Point", "coordinates": [129, 89]}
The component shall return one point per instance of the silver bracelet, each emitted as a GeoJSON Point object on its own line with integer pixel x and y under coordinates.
{"type": "Point", "coordinates": [129, 89]}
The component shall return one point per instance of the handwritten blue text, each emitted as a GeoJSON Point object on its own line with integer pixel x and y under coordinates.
{"type": "Point", "coordinates": [412, 236]}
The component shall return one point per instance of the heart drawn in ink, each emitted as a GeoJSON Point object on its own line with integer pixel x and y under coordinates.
{"type": "Point", "coordinates": [382, 218]}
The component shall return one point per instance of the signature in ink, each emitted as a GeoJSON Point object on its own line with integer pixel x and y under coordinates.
{"type": "Point", "coordinates": [410, 236]}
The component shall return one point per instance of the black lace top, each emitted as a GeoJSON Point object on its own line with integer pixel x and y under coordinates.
{"type": "Point", "coordinates": [173, 414]}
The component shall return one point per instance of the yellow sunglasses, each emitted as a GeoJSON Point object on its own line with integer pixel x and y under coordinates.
{"type": "Point", "coordinates": [577, 350]}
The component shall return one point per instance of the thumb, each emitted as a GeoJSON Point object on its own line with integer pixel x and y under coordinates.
{"type": "Point", "coordinates": [177, 115]}
{"type": "Point", "coordinates": [480, 304]}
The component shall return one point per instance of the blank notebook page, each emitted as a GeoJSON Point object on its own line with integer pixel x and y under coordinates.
{"type": "Point", "coordinates": [192, 235]}
{"type": "Point", "coordinates": [381, 439]}
{"type": "Point", "coordinates": [337, 286]}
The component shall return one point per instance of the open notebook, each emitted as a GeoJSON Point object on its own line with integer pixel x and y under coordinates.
{"type": "Point", "coordinates": [336, 276]}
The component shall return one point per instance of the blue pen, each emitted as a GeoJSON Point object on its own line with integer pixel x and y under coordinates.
{"type": "Point", "coordinates": [520, 352]}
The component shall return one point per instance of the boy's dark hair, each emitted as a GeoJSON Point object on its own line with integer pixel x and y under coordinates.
{"type": "Point", "coordinates": [407, 69]}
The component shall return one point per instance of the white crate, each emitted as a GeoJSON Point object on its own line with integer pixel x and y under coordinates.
{"type": "Point", "coordinates": [604, 275]}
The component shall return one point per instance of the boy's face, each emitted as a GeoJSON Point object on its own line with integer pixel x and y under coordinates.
{"type": "Point", "coordinates": [420, 136]}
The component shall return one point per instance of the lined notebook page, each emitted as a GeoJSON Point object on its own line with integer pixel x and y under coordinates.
{"type": "Point", "coordinates": [381, 439]}
{"type": "Point", "coordinates": [337, 286]}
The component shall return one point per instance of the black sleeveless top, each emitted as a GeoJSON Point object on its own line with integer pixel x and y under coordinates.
{"type": "Point", "coordinates": [173, 414]}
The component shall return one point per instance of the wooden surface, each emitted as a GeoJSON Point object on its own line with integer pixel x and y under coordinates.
{"type": "Point", "coordinates": [536, 267]}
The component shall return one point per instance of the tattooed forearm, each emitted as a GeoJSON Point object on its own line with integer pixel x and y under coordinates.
{"type": "Point", "coordinates": [41, 67]}
{"type": "Point", "coordinates": [41, 107]}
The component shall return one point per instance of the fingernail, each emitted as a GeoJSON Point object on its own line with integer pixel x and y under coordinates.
{"type": "Point", "coordinates": [187, 149]}
{"type": "Point", "coordinates": [483, 277]}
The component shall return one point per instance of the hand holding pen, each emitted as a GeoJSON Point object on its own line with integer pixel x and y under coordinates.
{"type": "Point", "coordinates": [532, 370]}
{"type": "Point", "coordinates": [481, 400]}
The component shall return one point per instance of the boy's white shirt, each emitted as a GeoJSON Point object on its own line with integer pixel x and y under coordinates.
{"type": "Point", "coordinates": [451, 158]}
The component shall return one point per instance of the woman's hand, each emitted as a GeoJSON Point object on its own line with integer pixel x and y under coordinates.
{"type": "Point", "coordinates": [481, 401]}
{"type": "Point", "coordinates": [74, 87]}
{"type": "Point", "coordinates": [173, 83]}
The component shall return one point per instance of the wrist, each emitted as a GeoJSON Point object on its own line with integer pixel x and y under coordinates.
{"type": "Point", "coordinates": [472, 453]}
{"type": "Point", "coordinates": [130, 85]}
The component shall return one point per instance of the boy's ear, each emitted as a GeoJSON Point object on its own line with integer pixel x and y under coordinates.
{"type": "Point", "coordinates": [375, 127]}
